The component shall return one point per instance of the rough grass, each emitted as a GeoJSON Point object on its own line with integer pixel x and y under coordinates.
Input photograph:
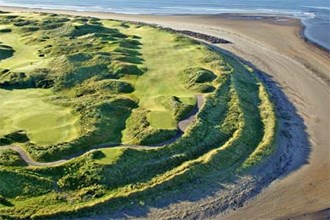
{"type": "Point", "coordinates": [266, 146]}
{"type": "Point", "coordinates": [10, 158]}
{"type": "Point", "coordinates": [73, 60]}
{"type": "Point", "coordinates": [164, 63]}
{"type": "Point", "coordinates": [115, 78]}
{"type": "Point", "coordinates": [179, 107]}
{"type": "Point", "coordinates": [198, 79]}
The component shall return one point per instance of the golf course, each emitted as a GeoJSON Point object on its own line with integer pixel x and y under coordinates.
{"type": "Point", "coordinates": [98, 115]}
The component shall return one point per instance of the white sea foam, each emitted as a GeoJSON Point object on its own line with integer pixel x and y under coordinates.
{"type": "Point", "coordinates": [317, 7]}
{"type": "Point", "coordinates": [306, 13]}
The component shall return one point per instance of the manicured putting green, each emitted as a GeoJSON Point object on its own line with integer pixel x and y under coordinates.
{"type": "Point", "coordinates": [161, 119]}
{"type": "Point", "coordinates": [31, 110]}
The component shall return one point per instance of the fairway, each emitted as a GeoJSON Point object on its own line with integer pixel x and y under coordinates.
{"type": "Point", "coordinates": [25, 57]}
{"type": "Point", "coordinates": [31, 110]}
{"type": "Point", "coordinates": [165, 58]}
{"type": "Point", "coordinates": [90, 112]}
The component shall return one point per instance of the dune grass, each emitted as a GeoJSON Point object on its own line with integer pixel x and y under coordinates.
{"type": "Point", "coordinates": [165, 57]}
{"type": "Point", "coordinates": [121, 82]}
{"type": "Point", "coordinates": [10, 158]}
{"type": "Point", "coordinates": [267, 145]}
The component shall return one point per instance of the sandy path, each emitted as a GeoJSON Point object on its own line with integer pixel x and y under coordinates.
{"type": "Point", "coordinates": [29, 160]}
{"type": "Point", "coordinates": [302, 70]}
{"type": "Point", "coordinates": [182, 126]}
{"type": "Point", "coordinates": [24, 155]}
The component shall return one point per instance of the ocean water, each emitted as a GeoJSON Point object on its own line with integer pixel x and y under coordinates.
{"type": "Point", "coordinates": [315, 14]}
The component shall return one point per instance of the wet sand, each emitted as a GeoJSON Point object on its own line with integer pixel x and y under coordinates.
{"type": "Point", "coordinates": [274, 46]}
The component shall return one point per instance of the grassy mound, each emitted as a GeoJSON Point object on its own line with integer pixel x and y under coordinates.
{"type": "Point", "coordinates": [199, 79]}
{"type": "Point", "coordinates": [179, 106]}
{"type": "Point", "coordinates": [102, 81]}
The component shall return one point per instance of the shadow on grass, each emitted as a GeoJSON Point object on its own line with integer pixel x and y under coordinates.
{"type": "Point", "coordinates": [292, 152]}
{"type": "Point", "coordinates": [218, 192]}
{"type": "Point", "coordinates": [5, 202]}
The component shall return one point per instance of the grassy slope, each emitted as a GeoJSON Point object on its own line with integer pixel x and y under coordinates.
{"type": "Point", "coordinates": [19, 109]}
{"type": "Point", "coordinates": [162, 79]}
{"type": "Point", "coordinates": [234, 129]}
{"type": "Point", "coordinates": [64, 59]}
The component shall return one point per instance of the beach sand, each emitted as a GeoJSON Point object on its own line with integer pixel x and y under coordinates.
{"type": "Point", "coordinates": [276, 47]}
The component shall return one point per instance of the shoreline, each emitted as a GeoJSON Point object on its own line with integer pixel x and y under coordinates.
{"type": "Point", "coordinates": [238, 15]}
{"type": "Point", "coordinates": [284, 65]}
{"type": "Point", "coordinates": [310, 41]}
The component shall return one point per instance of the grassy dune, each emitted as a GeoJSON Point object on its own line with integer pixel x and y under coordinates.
{"type": "Point", "coordinates": [160, 52]}
{"type": "Point", "coordinates": [107, 81]}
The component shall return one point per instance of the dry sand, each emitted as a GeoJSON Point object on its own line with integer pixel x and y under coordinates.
{"type": "Point", "coordinates": [303, 72]}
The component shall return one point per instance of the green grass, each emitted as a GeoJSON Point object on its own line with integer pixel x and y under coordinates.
{"type": "Point", "coordinates": [161, 119]}
{"type": "Point", "coordinates": [32, 110]}
{"type": "Point", "coordinates": [10, 158]}
{"type": "Point", "coordinates": [25, 57]}
{"type": "Point", "coordinates": [164, 62]}
{"type": "Point", "coordinates": [165, 57]}
{"type": "Point", "coordinates": [266, 146]}
{"type": "Point", "coordinates": [73, 60]}
{"type": "Point", "coordinates": [102, 81]}
{"type": "Point", "coordinates": [108, 156]}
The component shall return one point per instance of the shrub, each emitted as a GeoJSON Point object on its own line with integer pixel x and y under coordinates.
{"type": "Point", "coordinates": [40, 79]}
{"type": "Point", "coordinates": [10, 158]}
{"type": "Point", "coordinates": [124, 69]}
{"type": "Point", "coordinates": [14, 137]}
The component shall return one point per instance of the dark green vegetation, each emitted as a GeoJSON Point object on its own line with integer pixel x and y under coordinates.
{"type": "Point", "coordinates": [85, 66]}
{"type": "Point", "coordinates": [95, 67]}
{"type": "Point", "coordinates": [10, 158]}
{"type": "Point", "coordinates": [15, 137]}
{"type": "Point", "coordinates": [177, 106]}
{"type": "Point", "coordinates": [5, 51]}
